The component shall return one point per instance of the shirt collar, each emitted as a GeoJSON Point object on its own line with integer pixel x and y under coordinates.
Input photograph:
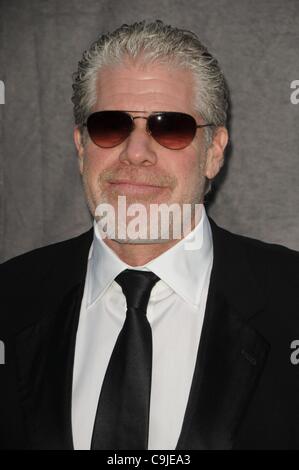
{"type": "Point", "coordinates": [183, 268]}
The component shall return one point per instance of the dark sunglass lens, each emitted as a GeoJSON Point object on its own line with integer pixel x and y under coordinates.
{"type": "Point", "coordinates": [172, 130]}
{"type": "Point", "coordinates": [109, 128]}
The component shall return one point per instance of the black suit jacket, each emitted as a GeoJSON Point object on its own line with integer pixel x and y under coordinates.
{"type": "Point", "coordinates": [245, 389]}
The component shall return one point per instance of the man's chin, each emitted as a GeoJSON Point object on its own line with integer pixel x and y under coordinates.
{"type": "Point", "coordinates": [143, 241]}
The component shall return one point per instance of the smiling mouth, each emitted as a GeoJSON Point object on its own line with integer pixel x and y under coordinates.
{"type": "Point", "coordinates": [134, 187]}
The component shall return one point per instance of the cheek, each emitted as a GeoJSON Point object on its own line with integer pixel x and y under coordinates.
{"type": "Point", "coordinates": [190, 176]}
{"type": "Point", "coordinates": [187, 169]}
{"type": "Point", "coordinates": [93, 166]}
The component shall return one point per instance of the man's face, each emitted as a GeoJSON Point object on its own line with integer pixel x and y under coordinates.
{"type": "Point", "coordinates": [140, 168]}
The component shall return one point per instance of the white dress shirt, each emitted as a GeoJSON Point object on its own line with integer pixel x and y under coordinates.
{"type": "Point", "coordinates": [175, 312]}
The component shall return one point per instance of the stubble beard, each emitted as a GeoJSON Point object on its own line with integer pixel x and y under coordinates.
{"type": "Point", "coordinates": [164, 232]}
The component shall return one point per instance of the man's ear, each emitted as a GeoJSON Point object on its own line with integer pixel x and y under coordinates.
{"type": "Point", "coordinates": [215, 153]}
{"type": "Point", "coordinates": [78, 139]}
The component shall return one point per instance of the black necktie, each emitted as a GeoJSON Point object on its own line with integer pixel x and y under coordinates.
{"type": "Point", "coordinates": [122, 417]}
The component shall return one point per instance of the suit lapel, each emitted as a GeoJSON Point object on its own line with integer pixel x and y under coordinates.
{"type": "Point", "coordinates": [231, 353]}
{"type": "Point", "coordinates": [230, 360]}
{"type": "Point", "coordinates": [45, 354]}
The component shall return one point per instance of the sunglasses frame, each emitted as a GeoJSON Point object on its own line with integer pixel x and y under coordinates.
{"type": "Point", "coordinates": [154, 113]}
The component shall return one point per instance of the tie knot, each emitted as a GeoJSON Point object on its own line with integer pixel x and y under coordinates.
{"type": "Point", "coordinates": [137, 286]}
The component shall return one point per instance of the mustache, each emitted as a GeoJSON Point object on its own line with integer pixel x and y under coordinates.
{"type": "Point", "coordinates": [137, 176]}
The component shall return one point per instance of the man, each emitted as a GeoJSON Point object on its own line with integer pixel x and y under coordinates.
{"type": "Point", "coordinates": [127, 336]}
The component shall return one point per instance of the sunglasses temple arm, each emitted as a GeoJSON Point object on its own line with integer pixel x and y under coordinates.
{"type": "Point", "coordinates": [205, 125]}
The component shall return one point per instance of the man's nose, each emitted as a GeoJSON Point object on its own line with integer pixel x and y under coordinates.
{"type": "Point", "coordinates": [139, 147]}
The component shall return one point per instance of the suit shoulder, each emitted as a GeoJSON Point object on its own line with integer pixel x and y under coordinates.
{"type": "Point", "coordinates": [35, 263]}
{"type": "Point", "coordinates": [28, 279]}
{"type": "Point", "coordinates": [269, 249]}
{"type": "Point", "coordinates": [280, 261]}
{"type": "Point", "coordinates": [273, 253]}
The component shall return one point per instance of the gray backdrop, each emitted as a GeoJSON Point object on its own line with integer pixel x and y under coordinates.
{"type": "Point", "coordinates": [41, 42]}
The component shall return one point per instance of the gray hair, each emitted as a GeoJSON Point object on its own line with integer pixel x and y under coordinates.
{"type": "Point", "coordinates": [149, 43]}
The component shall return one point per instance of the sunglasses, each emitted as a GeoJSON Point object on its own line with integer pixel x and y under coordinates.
{"type": "Point", "coordinates": [172, 130]}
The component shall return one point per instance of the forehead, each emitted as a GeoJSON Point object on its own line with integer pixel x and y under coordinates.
{"type": "Point", "coordinates": [145, 88]}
